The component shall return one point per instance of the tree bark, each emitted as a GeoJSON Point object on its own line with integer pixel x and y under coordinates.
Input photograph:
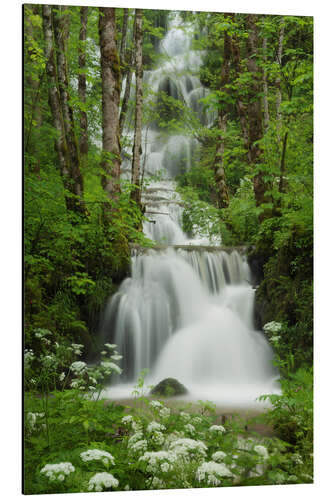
{"type": "Point", "coordinates": [110, 70]}
{"type": "Point", "coordinates": [255, 119]}
{"type": "Point", "coordinates": [54, 99]}
{"type": "Point", "coordinates": [219, 163]}
{"type": "Point", "coordinates": [127, 92]}
{"type": "Point", "coordinates": [265, 86]}
{"type": "Point", "coordinates": [61, 32]}
{"type": "Point", "coordinates": [136, 192]}
{"type": "Point", "coordinates": [82, 81]}
{"type": "Point", "coordinates": [123, 39]}
{"type": "Point", "coordinates": [278, 82]}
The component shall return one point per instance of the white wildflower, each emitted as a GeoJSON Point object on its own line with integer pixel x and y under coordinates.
{"type": "Point", "coordinates": [77, 348]}
{"type": "Point", "coordinates": [62, 376]}
{"type": "Point", "coordinates": [157, 438]}
{"type": "Point", "coordinates": [57, 472]}
{"type": "Point", "coordinates": [101, 481]}
{"type": "Point", "coordinates": [134, 438]}
{"type": "Point", "coordinates": [155, 404]}
{"type": "Point", "coordinates": [272, 327]}
{"type": "Point", "coordinates": [186, 417]}
{"type": "Point", "coordinates": [104, 456]}
{"type": "Point", "coordinates": [186, 446]}
{"type": "Point", "coordinates": [156, 483]}
{"type": "Point", "coordinates": [218, 429]}
{"type": "Point", "coordinates": [155, 426]}
{"type": "Point", "coordinates": [275, 339]}
{"type": "Point", "coordinates": [103, 353]}
{"type": "Point", "coordinates": [116, 357]}
{"type": "Point", "coordinates": [110, 346]}
{"type": "Point", "coordinates": [109, 367]}
{"type": "Point", "coordinates": [197, 420]}
{"type": "Point", "coordinates": [262, 451]}
{"type": "Point", "coordinates": [78, 367]}
{"type": "Point", "coordinates": [297, 459]}
{"type": "Point", "coordinates": [165, 413]}
{"type": "Point", "coordinates": [128, 419]}
{"type": "Point", "coordinates": [141, 445]}
{"type": "Point", "coordinates": [159, 460]}
{"type": "Point", "coordinates": [219, 456]}
{"type": "Point", "coordinates": [190, 429]}
{"type": "Point", "coordinates": [212, 473]}
{"type": "Point", "coordinates": [28, 355]}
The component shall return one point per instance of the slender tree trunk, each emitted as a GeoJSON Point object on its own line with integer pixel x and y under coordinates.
{"type": "Point", "coordinates": [61, 31]}
{"type": "Point", "coordinates": [110, 70]}
{"type": "Point", "coordinates": [82, 81]}
{"type": "Point", "coordinates": [219, 163]}
{"type": "Point", "coordinates": [255, 118]}
{"type": "Point", "coordinates": [35, 84]}
{"type": "Point", "coordinates": [240, 105]}
{"type": "Point", "coordinates": [54, 99]}
{"type": "Point", "coordinates": [124, 105]}
{"type": "Point", "coordinates": [265, 86]}
{"type": "Point", "coordinates": [278, 83]}
{"type": "Point", "coordinates": [136, 192]}
{"type": "Point", "coordinates": [123, 39]}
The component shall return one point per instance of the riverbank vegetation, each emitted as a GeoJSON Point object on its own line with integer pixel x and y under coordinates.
{"type": "Point", "coordinates": [250, 183]}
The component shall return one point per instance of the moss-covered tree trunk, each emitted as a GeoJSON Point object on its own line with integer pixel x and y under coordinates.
{"type": "Point", "coordinates": [136, 191]}
{"type": "Point", "coordinates": [255, 116]}
{"type": "Point", "coordinates": [61, 31]}
{"type": "Point", "coordinates": [82, 82]}
{"type": "Point", "coordinates": [219, 160]}
{"type": "Point", "coordinates": [110, 70]}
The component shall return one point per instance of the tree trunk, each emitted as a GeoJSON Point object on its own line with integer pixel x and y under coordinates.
{"type": "Point", "coordinates": [265, 86]}
{"type": "Point", "coordinates": [54, 101]}
{"type": "Point", "coordinates": [82, 81]}
{"type": "Point", "coordinates": [61, 31]}
{"type": "Point", "coordinates": [255, 119]}
{"type": "Point", "coordinates": [240, 105]}
{"type": "Point", "coordinates": [124, 105]}
{"type": "Point", "coordinates": [136, 193]}
{"type": "Point", "coordinates": [35, 84]}
{"type": "Point", "coordinates": [278, 83]}
{"type": "Point", "coordinates": [123, 40]}
{"type": "Point", "coordinates": [110, 70]}
{"type": "Point", "coordinates": [219, 163]}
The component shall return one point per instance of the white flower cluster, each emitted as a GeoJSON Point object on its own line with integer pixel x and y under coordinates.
{"type": "Point", "coordinates": [102, 480]}
{"type": "Point", "coordinates": [155, 484]}
{"type": "Point", "coordinates": [32, 419]}
{"type": "Point", "coordinates": [156, 405]}
{"type": "Point", "coordinates": [40, 333]}
{"type": "Point", "coordinates": [57, 472]}
{"type": "Point", "coordinates": [186, 417]}
{"type": "Point", "coordinates": [155, 427]}
{"type": "Point", "coordinates": [297, 459]}
{"type": "Point", "coordinates": [275, 339]}
{"type": "Point", "coordinates": [190, 429]}
{"type": "Point", "coordinates": [76, 348]}
{"type": "Point", "coordinates": [212, 473]}
{"type": "Point", "coordinates": [128, 419]}
{"type": "Point", "coordinates": [136, 443]}
{"type": "Point", "coordinates": [110, 367]}
{"type": "Point", "coordinates": [187, 447]}
{"type": "Point", "coordinates": [218, 429]}
{"type": "Point", "coordinates": [164, 413]}
{"type": "Point", "coordinates": [272, 327]}
{"type": "Point", "coordinates": [78, 367]}
{"type": "Point", "coordinates": [219, 456]}
{"type": "Point", "coordinates": [28, 356]}
{"type": "Point", "coordinates": [262, 451]}
{"type": "Point", "coordinates": [104, 456]}
{"type": "Point", "coordinates": [158, 461]}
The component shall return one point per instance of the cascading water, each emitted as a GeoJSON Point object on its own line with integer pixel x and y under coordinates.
{"type": "Point", "coordinates": [186, 311]}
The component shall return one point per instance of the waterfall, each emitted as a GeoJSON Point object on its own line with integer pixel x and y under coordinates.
{"type": "Point", "coordinates": [186, 311]}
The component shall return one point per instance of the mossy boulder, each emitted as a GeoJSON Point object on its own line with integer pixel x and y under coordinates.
{"type": "Point", "coordinates": [169, 387]}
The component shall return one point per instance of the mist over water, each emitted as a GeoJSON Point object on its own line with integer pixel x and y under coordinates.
{"type": "Point", "coordinates": [187, 312]}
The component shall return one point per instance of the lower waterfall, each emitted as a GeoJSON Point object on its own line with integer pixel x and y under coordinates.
{"type": "Point", "coordinates": [187, 313]}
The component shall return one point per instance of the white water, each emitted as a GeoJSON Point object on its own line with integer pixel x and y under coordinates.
{"type": "Point", "coordinates": [186, 313]}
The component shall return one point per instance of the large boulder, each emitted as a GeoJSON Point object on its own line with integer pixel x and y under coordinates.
{"type": "Point", "coordinates": [169, 387]}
